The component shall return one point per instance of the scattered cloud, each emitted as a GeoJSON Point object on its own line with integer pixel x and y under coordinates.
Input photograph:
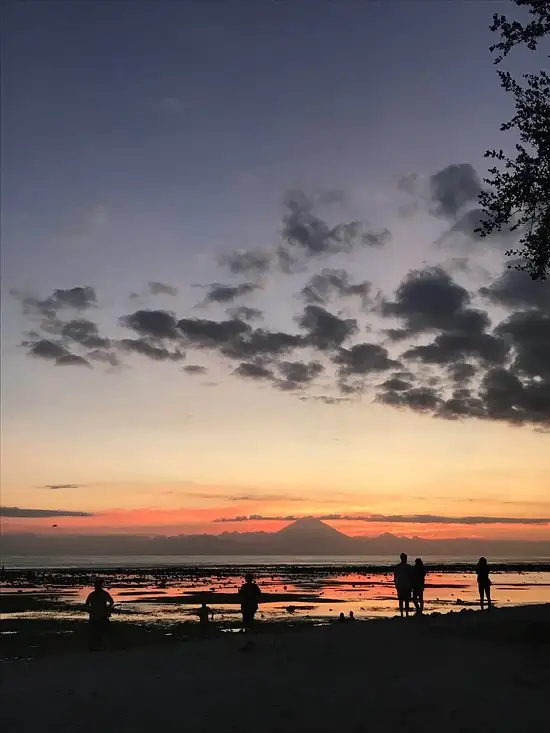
{"type": "Point", "coordinates": [146, 348]}
{"type": "Point", "coordinates": [56, 487]}
{"type": "Point", "coordinates": [436, 345]}
{"type": "Point", "coordinates": [58, 354]}
{"type": "Point", "coordinates": [194, 369]}
{"type": "Point", "coordinates": [453, 188]}
{"type": "Point", "coordinates": [324, 330]}
{"type": "Point", "coordinates": [253, 370]}
{"type": "Point", "coordinates": [159, 288]}
{"type": "Point", "coordinates": [155, 324]}
{"type": "Point", "coordinates": [329, 284]}
{"type": "Point", "coordinates": [245, 313]}
{"type": "Point", "coordinates": [84, 332]}
{"type": "Point", "coordinates": [254, 262]}
{"type": "Point", "coordinates": [392, 519]}
{"type": "Point", "coordinates": [18, 512]}
{"type": "Point", "coordinates": [218, 293]}
{"type": "Point", "coordinates": [306, 236]}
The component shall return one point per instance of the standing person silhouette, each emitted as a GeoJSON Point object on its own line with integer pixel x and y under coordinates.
{"type": "Point", "coordinates": [403, 580]}
{"type": "Point", "coordinates": [99, 604]}
{"type": "Point", "coordinates": [418, 583]}
{"type": "Point", "coordinates": [206, 618]}
{"type": "Point", "coordinates": [250, 595]}
{"type": "Point", "coordinates": [483, 582]}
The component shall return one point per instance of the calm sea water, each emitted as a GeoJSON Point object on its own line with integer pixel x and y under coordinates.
{"type": "Point", "coordinates": [38, 562]}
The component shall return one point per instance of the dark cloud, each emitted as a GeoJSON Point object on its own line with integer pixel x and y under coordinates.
{"type": "Point", "coordinates": [144, 347]}
{"type": "Point", "coordinates": [78, 298]}
{"type": "Point", "coordinates": [160, 288]}
{"type": "Point", "coordinates": [72, 360]}
{"type": "Point", "coordinates": [55, 487]}
{"type": "Point", "coordinates": [218, 293]}
{"type": "Point", "coordinates": [392, 519]}
{"type": "Point", "coordinates": [236, 339]}
{"type": "Point", "coordinates": [528, 333]}
{"type": "Point", "coordinates": [297, 374]}
{"type": "Point", "coordinates": [207, 333]}
{"type": "Point", "coordinates": [248, 262]}
{"type": "Point", "coordinates": [325, 331]}
{"type": "Point", "coordinates": [262, 343]}
{"type": "Point", "coordinates": [245, 313]}
{"type": "Point", "coordinates": [254, 370]}
{"type": "Point", "coordinates": [453, 188]}
{"type": "Point", "coordinates": [363, 359]}
{"type": "Point", "coordinates": [334, 283]}
{"type": "Point", "coordinates": [51, 351]}
{"type": "Point", "coordinates": [418, 399]}
{"type": "Point", "coordinates": [462, 404]}
{"type": "Point", "coordinates": [84, 332]}
{"type": "Point", "coordinates": [306, 235]}
{"type": "Point", "coordinates": [449, 348]}
{"type": "Point", "coordinates": [469, 223]}
{"type": "Point", "coordinates": [461, 372]}
{"type": "Point", "coordinates": [155, 324]}
{"type": "Point", "coordinates": [427, 300]}
{"type": "Point", "coordinates": [194, 369]}
{"type": "Point", "coordinates": [395, 384]}
{"type": "Point", "coordinates": [45, 349]}
{"type": "Point", "coordinates": [19, 513]}
{"type": "Point", "coordinates": [515, 290]}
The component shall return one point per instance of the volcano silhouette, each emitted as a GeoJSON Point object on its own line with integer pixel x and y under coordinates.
{"type": "Point", "coordinates": [309, 535]}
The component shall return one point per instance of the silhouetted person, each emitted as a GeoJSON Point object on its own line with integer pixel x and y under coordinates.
{"type": "Point", "coordinates": [418, 583]}
{"type": "Point", "coordinates": [206, 615]}
{"type": "Point", "coordinates": [99, 604]}
{"type": "Point", "coordinates": [341, 618]}
{"type": "Point", "coordinates": [249, 594]}
{"type": "Point", "coordinates": [483, 582]}
{"type": "Point", "coordinates": [351, 616]}
{"type": "Point", "coordinates": [403, 579]}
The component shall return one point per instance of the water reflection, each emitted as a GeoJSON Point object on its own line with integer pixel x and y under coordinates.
{"type": "Point", "coordinates": [149, 598]}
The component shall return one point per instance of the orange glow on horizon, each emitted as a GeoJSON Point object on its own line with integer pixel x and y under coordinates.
{"type": "Point", "coordinates": [171, 522]}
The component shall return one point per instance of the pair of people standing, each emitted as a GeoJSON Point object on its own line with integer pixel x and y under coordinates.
{"type": "Point", "coordinates": [249, 597]}
{"type": "Point", "coordinates": [410, 581]}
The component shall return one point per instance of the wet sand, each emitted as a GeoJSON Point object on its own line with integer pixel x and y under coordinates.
{"type": "Point", "coordinates": [43, 612]}
{"type": "Point", "coordinates": [467, 671]}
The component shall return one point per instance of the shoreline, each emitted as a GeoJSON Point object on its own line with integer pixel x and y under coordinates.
{"type": "Point", "coordinates": [268, 568]}
{"type": "Point", "coordinates": [469, 671]}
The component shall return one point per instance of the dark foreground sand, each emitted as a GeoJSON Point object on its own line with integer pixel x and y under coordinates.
{"type": "Point", "coordinates": [465, 672]}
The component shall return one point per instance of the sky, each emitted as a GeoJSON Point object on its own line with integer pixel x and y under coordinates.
{"type": "Point", "coordinates": [240, 277]}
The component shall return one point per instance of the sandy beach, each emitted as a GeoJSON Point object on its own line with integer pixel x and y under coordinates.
{"type": "Point", "coordinates": [467, 671]}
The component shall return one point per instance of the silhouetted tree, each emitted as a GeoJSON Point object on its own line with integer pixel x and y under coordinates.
{"type": "Point", "coordinates": [519, 191]}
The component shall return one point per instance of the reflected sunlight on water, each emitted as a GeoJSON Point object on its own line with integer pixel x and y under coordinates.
{"type": "Point", "coordinates": [153, 598]}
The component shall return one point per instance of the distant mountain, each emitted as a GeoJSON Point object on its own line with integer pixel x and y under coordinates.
{"type": "Point", "coordinates": [306, 536]}
{"type": "Point", "coordinates": [310, 536]}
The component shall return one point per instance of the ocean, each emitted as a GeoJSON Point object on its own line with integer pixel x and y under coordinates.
{"type": "Point", "coordinates": [54, 562]}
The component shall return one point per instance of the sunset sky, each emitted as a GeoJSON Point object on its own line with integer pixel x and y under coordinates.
{"type": "Point", "coordinates": [240, 277]}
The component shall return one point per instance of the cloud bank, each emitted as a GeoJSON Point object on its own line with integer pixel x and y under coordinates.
{"type": "Point", "coordinates": [434, 345]}
{"type": "Point", "coordinates": [20, 513]}
{"type": "Point", "coordinates": [393, 519]}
